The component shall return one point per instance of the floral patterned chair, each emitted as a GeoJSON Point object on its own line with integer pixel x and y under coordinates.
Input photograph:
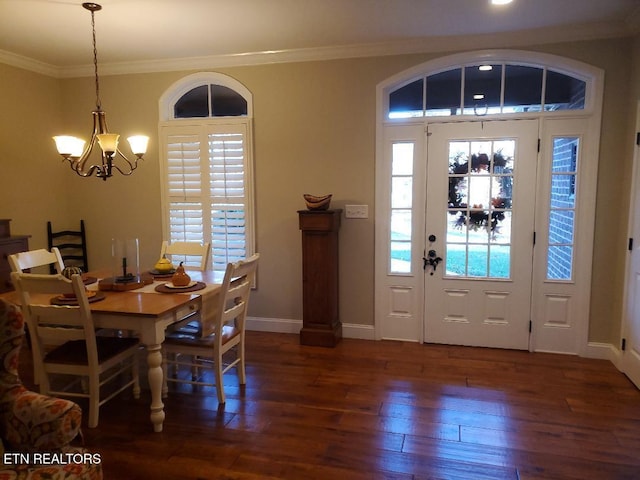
{"type": "Point", "coordinates": [36, 430]}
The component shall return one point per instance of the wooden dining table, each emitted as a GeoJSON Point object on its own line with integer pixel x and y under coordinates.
{"type": "Point", "coordinates": [148, 313]}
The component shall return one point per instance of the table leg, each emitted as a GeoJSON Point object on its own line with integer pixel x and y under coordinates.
{"type": "Point", "coordinates": [154, 362]}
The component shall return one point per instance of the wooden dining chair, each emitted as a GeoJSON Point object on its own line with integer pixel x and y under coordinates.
{"type": "Point", "coordinates": [22, 261]}
{"type": "Point", "coordinates": [80, 353]}
{"type": "Point", "coordinates": [221, 332]}
{"type": "Point", "coordinates": [194, 255]}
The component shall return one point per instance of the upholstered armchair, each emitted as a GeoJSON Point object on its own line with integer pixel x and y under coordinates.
{"type": "Point", "coordinates": [35, 425]}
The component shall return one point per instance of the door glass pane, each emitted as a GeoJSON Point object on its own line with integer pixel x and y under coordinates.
{"type": "Point", "coordinates": [400, 240]}
{"type": "Point", "coordinates": [456, 264]}
{"type": "Point", "coordinates": [401, 257]}
{"type": "Point", "coordinates": [401, 192]}
{"type": "Point", "coordinates": [480, 208]}
{"type": "Point", "coordinates": [564, 164]}
{"type": "Point", "coordinates": [478, 261]}
{"type": "Point", "coordinates": [401, 225]}
{"type": "Point", "coordinates": [499, 261]}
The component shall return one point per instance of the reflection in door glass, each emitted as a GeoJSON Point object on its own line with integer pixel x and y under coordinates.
{"type": "Point", "coordinates": [401, 204]}
{"type": "Point", "coordinates": [480, 208]}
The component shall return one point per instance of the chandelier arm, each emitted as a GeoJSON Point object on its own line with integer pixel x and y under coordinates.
{"type": "Point", "coordinates": [82, 159]}
{"type": "Point", "coordinates": [87, 173]}
{"type": "Point", "coordinates": [132, 165]}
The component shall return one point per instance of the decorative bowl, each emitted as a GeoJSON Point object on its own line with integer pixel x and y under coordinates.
{"type": "Point", "coordinates": [317, 202]}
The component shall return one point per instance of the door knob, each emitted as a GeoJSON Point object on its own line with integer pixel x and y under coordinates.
{"type": "Point", "coordinates": [432, 259]}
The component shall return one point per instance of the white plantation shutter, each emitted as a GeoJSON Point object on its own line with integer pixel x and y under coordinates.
{"type": "Point", "coordinates": [228, 200]}
{"type": "Point", "coordinates": [207, 182]}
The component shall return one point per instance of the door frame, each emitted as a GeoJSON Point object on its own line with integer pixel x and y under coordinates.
{"type": "Point", "coordinates": [592, 114]}
{"type": "Point", "coordinates": [627, 360]}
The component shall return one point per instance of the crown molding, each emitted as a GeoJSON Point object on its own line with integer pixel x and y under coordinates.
{"type": "Point", "coordinates": [410, 46]}
{"type": "Point", "coordinates": [30, 64]}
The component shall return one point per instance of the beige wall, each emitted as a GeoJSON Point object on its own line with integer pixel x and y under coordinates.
{"type": "Point", "coordinates": [314, 133]}
{"type": "Point", "coordinates": [33, 180]}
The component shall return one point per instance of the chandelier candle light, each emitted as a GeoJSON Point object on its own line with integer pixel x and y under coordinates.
{"type": "Point", "coordinates": [73, 149]}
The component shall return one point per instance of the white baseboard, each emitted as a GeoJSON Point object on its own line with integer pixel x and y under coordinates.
{"type": "Point", "coordinates": [280, 325]}
{"type": "Point", "coordinates": [604, 351]}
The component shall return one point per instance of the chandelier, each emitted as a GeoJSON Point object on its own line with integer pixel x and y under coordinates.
{"type": "Point", "coordinates": [73, 149]}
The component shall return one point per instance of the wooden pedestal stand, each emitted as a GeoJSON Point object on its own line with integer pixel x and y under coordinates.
{"type": "Point", "coordinates": [320, 321]}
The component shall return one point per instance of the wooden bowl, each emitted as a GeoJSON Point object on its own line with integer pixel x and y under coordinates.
{"type": "Point", "coordinates": [315, 202]}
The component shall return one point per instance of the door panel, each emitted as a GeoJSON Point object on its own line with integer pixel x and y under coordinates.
{"type": "Point", "coordinates": [480, 186]}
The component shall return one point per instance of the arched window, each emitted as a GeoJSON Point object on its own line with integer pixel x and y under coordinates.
{"type": "Point", "coordinates": [487, 88]}
{"type": "Point", "coordinates": [207, 165]}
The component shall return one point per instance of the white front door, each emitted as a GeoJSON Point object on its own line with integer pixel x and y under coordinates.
{"type": "Point", "coordinates": [481, 186]}
{"type": "Point", "coordinates": [631, 327]}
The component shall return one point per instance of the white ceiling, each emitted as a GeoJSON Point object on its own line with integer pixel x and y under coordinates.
{"type": "Point", "coordinates": [54, 36]}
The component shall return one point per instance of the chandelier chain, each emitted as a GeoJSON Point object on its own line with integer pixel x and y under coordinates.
{"type": "Point", "coordinates": [95, 62]}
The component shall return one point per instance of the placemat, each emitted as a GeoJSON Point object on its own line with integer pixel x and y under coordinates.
{"type": "Point", "coordinates": [164, 289]}
{"type": "Point", "coordinates": [157, 274]}
{"type": "Point", "coordinates": [74, 301]}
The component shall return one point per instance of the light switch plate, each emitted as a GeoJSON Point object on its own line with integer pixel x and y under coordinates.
{"type": "Point", "coordinates": [356, 211]}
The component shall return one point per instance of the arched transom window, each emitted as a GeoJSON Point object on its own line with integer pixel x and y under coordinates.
{"type": "Point", "coordinates": [487, 88]}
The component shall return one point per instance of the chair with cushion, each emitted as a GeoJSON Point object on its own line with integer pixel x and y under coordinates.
{"type": "Point", "coordinates": [194, 255]}
{"type": "Point", "coordinates": [34, 261]}
{"type": "Point", "coordinates": [31, 422]}
{"type": "Point", "coordinates": [219, 334]}
{"type": "Point", "coordinates": [80, 353]}
{"type": "Point", "coordinates": [37, 258]}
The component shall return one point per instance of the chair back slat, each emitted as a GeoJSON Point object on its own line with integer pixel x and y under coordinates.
{"type": "Point", "coordinates": [36, 258]}
{"type": "Point", "coordinates": [189, 252]}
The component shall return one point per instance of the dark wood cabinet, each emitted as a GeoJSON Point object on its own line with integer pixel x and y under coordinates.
{"type": "Point", "coordinates": [8, 245]}
{"type": "Point", "coordinates": [320, 317]}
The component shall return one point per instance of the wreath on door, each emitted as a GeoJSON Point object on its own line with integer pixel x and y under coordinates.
{"type": "Point", "coordinates": [478, 216]}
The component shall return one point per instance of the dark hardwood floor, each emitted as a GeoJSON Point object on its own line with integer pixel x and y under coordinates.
{"type": "Point", "coordinates": [383, 410]}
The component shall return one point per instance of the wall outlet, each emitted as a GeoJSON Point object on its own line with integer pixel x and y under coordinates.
{"type": "Point", "coordinates": [356, 211]}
